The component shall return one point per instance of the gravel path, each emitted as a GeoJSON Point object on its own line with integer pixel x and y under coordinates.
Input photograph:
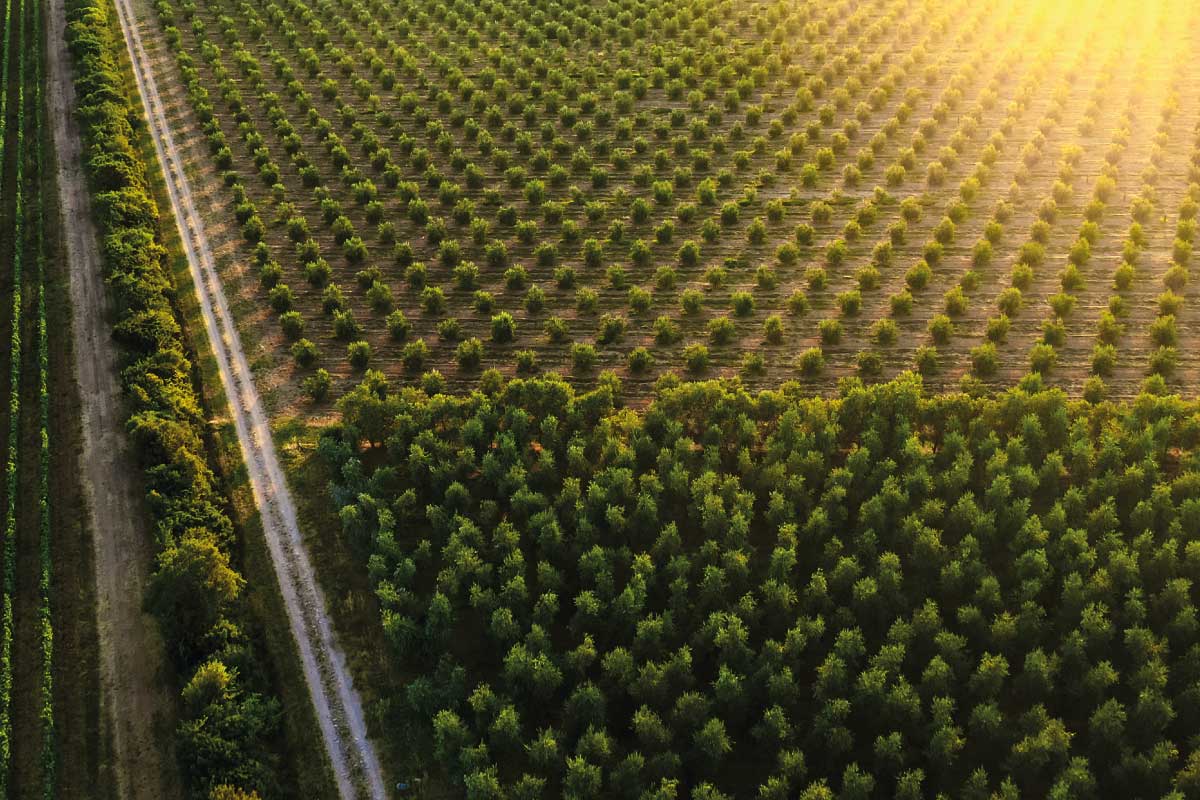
{"type": "Point", "coordinates": [338, 707]}
{"type": "Point", "coordinates": [136, 738]}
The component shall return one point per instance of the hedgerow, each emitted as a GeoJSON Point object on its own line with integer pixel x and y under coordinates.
{"type": "Point", "coordinates": [227, 719]}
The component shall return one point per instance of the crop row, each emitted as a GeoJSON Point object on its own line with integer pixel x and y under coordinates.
{"type": "Point", "coordinates": [4, 48]}
{"type": "Point", "coordinates": [49, 760]}
{"type": "Point", "coordinates": [12, 456]}
{"type": "Point", "coordinates": [5, 660]}
{"type": "Point", "coordinates": [28, 265]}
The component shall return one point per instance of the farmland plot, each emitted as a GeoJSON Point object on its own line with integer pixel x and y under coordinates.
{"type": "Point", "coordinates": [767, 587]}
{"type": "Point", "coordinates": [28, 746]}
{"type": "Point", "coordinates": [741, 189]}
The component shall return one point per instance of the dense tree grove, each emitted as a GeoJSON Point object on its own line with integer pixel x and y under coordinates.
{"type": "Point", "coordinates": [881, 594]}
{"type": "Point", "coordinates": [226, 722]}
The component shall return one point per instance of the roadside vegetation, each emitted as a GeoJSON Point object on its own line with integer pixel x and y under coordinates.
{"type": "Point", "coordinates": [228, 717]}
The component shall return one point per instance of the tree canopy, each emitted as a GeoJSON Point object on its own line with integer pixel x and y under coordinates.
{"type": "Point", "coordinates": [879, 594]}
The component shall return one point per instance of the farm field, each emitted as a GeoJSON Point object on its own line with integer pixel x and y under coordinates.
{"type": "Point", "coordinates": [51, 740]}
{"type": "Point", "coordinates": [475, 236]}
{"type": "Point", "coordinates": [622, 398]}
{"type": "Point", "coordinates": [28, 746]}
{"type": "Point", "coordinates": [749, 190]}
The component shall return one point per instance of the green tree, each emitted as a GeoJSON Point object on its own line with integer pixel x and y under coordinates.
{"type": "Point", "coordinates": [191, 590]}
{"type": "Point", "coordinates": [582, 780]}
{"type": "Point", "coordinates": [712, 741]}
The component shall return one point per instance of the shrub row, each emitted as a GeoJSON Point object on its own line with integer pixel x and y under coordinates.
{"type": "Point", "coordinates": [225, 720]}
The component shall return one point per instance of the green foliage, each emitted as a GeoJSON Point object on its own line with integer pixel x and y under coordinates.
{"type": "Point", "coordinates": [985, 359]}
{"type": "Point", "coordinates": [811, 362]}
{"type": "Point", "coordinates": [721, 330]}
{"type": "Point", "coordinates": [359, 354]}
{"type": "Point", "coordinates": [929, 610]}
{"type": "Point", "coordinates": [194, 587]}
{"type": "Point", "coordinates": [640, 359]}
{"type": "Point", "coordinates": [305, 352]}
{"type": "Point", "coordinates": [583, 356]}
{"type": "Point", "coordinates": [901, 303]}
{"type": "Point", "coordinates": [1042, 357]}
{"type": "Point", "coordinates": [831, 331]}
{"type": "Point", "coordinates": [469, 353]}
{"type": "Point", "coordinates": [997, 329]}
{"type": "Point", "coordinates": [612, 328]}
{"type": "Point", "coordinates": [941, 328]}
{"type": "Point", "coordinates": [926, 359]}
{"type": "Point", "coordinates": [870, 363]}
{"type": "Point", "coordinates": [773, 329]}
{"type": "Point", "coordinates": [503, 327]}
{"type": "Point", "coordinates": [695, 356]}
{"type": "Point", "coordinates": [850, 302]}
{"type": "Point", "coordinates": [885, 332]}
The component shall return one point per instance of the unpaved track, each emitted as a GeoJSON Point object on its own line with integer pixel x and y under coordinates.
{"type": "Point", "coordinates": [338, 707]}
{"type": "Point", "coordinates": [134, 690]}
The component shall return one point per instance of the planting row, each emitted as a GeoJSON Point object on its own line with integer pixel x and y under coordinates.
{"type": "Point", "coordinates": [16, 30]}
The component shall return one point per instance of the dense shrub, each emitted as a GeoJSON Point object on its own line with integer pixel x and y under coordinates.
{"type": "Point", "coordinates": [583, 356]}
{"type": "Point", "coordinates": [359, 354]}
{"type": "Point", "coordinates": [317, 385]}
{"type": "Point", "coordinates": [224, 734]}
{"type": "Point", "coordinates": [469, 353]}
{"type": "Point", "coordinates": [695, 356]}
{"type": "Point", "coordinates": [305, 352]}
{"type": "Point", "coordinates": [503, 327]}
{"type": "Point", "coordinates": [811, 362]}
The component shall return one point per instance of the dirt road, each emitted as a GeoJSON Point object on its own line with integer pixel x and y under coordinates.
{"type": "Point", "coordinates": [132, 658]}
{"type": "Point", "coordinates": [337, 705]}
